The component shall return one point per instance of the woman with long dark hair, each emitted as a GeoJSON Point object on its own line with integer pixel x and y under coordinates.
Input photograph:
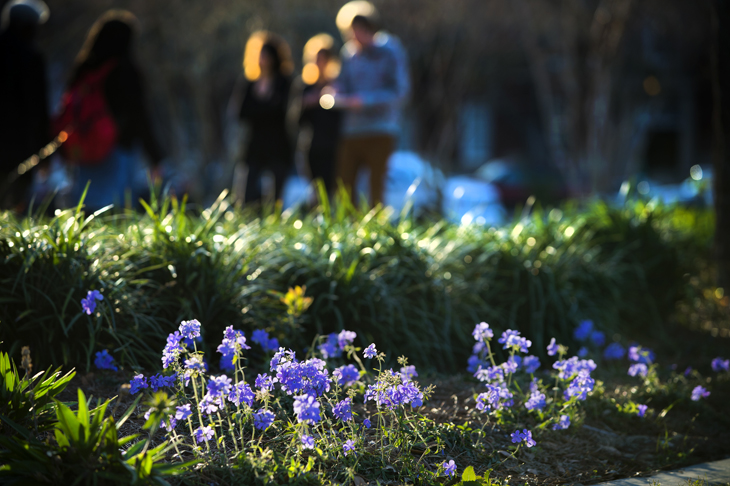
{"type": "Point", "coordinates": [264, 107]}
{"type": "Point", "coordinates": [106, 61]}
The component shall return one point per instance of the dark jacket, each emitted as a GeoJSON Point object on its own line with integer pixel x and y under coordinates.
{"type": "Point", "coordinates": [24, 122]}
{"type": "Point", "coordinates": [268, 139]}
{"type": "Point", "coordinates": [125, 94]}
{"type": "Point", "coordinates": [325, 124]}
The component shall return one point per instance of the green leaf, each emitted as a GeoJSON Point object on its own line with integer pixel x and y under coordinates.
{"type": "Point", "coordinates": [469, 474]}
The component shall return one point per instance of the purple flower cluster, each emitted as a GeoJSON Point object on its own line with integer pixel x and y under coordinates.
{"type": "Point", "coordinates": [536, 401]}
{"type": "Point", "coordinates": [307, 442]}
{"type": "Point", "coordinates": [638, 369]}
{"type": "Point", "coordinates": [583, 331]}
{"type": "Point", "coordinates": [719, 364]}
{"type": "Point", "coordinates": [233, 342]}
{"type": "Point", "coordinates": [490, 374]}
{"type": "Point", "coordinates": [336, 343]}
{"type": "Point", "coordinates": [138, 383]}
{"type": "Point", "coordinates": [343, 410]}
{"type": "Point", "coordinates": [581, 385]}
{"type": "Point", "coordinates": [88, 304]}
{"type": "Point", "coordinates": [573, 366]}
{"type": "Point", "coordinates": [407, 373]}
{"type": "Point", "coordinates": [310, 377]}
{"type": "Point", "coordinates": [261, 337]}
{"type": "Point", "coordinates": [346, 375]}
{"type": "Point", "coordinates": [530, 364]}
{"type": "Point", "coordinates": [562, 424]}
{"type": "Point", "coordinates": [390, 394]}
{"type": "Point", "coordinates": [641, 410]}
{"type": "Point", "coordinates": [496, 397]}
{"type": "Point", "coordinates": [512, 339]}
{"type": "Point", "coordinates": [105, 361]}
{"type": "Point", "coordinates": [699, 392]}
{"type": "Point", "coordinates": [306, 408]}
{"type": "Point", "coordinates": [241, 393]}
{"type": "Point", "coordinates": [524, 436]}
{"type": "Point", "coordinates": [348, 446]}
{"type": "Point", "coordinates": [614, 351]}
{"type": "Point", "coordinates": [598, 338]}
{"type": "Point", "coordinates": [482, 332]}
{"type": "Point", "coordinates": [190, 329]}
{"type": "Point", "coordinates": [637, 354]}
{"type": "Point", "coordinates": [172, 350]}
{"type": "Point", "coordinates": [449, 468]}
{"type": "Point", "coordinates": [203, 434]}
{"type": "Point", "coordinates": [264, 382]}
{"type": "Point", "coordinates": [160, 381]}
{"type": "Point", "coordinates": [263, 419]}
{"type": "Point", "coordinates": [183, 412]}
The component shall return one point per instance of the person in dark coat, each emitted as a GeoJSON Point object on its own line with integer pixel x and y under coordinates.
{"type": "Point", "coordinates": [264, 107]}
{"type": "Point", "coordinates": [24, 121]}
{"type": "Point", "coordinates": [109, 43]}
{"type": "Point", "coordinates": [325, 122]}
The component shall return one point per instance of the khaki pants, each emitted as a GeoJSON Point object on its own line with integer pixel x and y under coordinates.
{"type": "Point", "coordinates": [370, 151]}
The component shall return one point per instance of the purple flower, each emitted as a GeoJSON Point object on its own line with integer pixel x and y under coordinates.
{"type": "Point", "coordinates": [172, 349]}
{"type": "Point", "coordinates": [264, 382]}
{"type": "Point", "coordinates": [449, 468]}
{"type": "Point", "coordinates": [88, 304]}
{"type": "Point", "coordinates": [203, 433]}
{"type": "Point", "coordinates": [281, 357]}
{"type": "Point", "coordinates": [138, 382]}
{"type": "Point", "coordinates": [598, 338]}
{"type": "Point", "coordinates": [496, 397]}
{"type": "Point", "coordinates": [105, 361]}
{"type": "Point", "coordinates": [719, 364]}
{"type": "Point", "coordinates": [210, 404]}
{"type": "Point", "coordinates": [330, 348]}
{"type": "Point", "coordinates": [370, 352]}
{"type": "Point", "coordinates": [345, 338]}
{"type": "Point", "coordinates": [614, 351]}
{"type": "Point", "coordinates": [182, 412]}
{"type": "Point", "coordinates": [219, 386]}
{"type": "Point", "coordinates": [263, 419]}
{"type": "Point", "coordinates": [407, 373]}
{"type": "Point", "coordinates": [510, 366]}
{"type": "Point", "coordinates": [475, 363]}
{"type": "Point", "coordinates": [699, 392]}
{"type": "Point", "coordinates": [688, 371]}
{"type": "Point", "coordinates": [190, 329]}
{"type": "Point", "coordinates": [310, 377]}
{"type": "Point", "coordinates": [583, 331]}
{"type": "Point", "coordinates": [367, 423]}
{"type": "Point", "coordinates": [536, 401]}
{"type": "Point", "coordinates": [580, 386]}
{"type": "Point", "coordinates": [493, 373]}
{"type": "Point", "coordinates": [346, 375]}
{"type": "Point", "coordinates": [261, 337]}
{"type": "Point", "coordinates": [638, 369]}
{"type": "Point", "coordinates": [482, 332]}
{"type": "Point", "coordinates": [530, 364]}
{"type": "Point", "coordinates": [524, 436]}
{"type": "Point", "coordinates": [348, 446]}
{"type": "Point", "coordinates": [572, 366]}
{"type": "Point", "coordinates": [343, 410]}
{"type": "Point", "coordinates": [583, 352]}
{"type": "Point", "coordinates": [241, 393]}
{"type": "Point", "coordinates": [641, 410]}
{"type": "Point", "coordinates": [391, 395]}
{"type": "Point", "coordinates": [512, 339]}
{"type": "Point", "coordinates": [306, 408]}
{"type": "Point", "coordinates": [638, 354]}
{"type": "Point", "coordinates": [169, 423]}
{"type": "Point", "coordinates": [307, 442]}
{"type": "Point", "coordinates": [563, 423]}
{"type": "Point", "coordinates": [552, 348]}
{"type": "Point", "coordinates": [160, 381]}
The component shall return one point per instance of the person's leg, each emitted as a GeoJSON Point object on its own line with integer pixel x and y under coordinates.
{"type": "Point", "coordinates": [253, 183]}
{"type": "Point", "coordinates": [281, 173]}
{"type": "Point", "coordinates": [378, 151]}
{"type": "Point", "coordinates": [348, 164]}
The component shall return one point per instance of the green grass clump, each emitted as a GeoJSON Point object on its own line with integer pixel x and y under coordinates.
{"type": "Point", "coordinates": [416, 286]}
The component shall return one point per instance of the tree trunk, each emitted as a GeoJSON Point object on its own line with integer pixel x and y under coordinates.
{"type": "Point", "coordinates": [721, 135]}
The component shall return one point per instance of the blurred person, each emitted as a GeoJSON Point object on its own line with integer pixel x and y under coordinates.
{"type": "Point", "coordinates": [264, 107]}
{"type": "Point", "coordinates": [107, 81]}
{"type": "Point", "coordinates": [24, 120]}
{"type": "Point", "coordinates": [372, 88]}
{"type": "Point", "coordinates": [317, 101]}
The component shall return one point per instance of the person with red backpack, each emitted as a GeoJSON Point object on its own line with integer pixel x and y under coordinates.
{"type": "Point", "coordinates": [104, 115]}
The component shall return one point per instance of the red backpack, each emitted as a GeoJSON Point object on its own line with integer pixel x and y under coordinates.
{"type": "Point", "coordinates": [85, 117]}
